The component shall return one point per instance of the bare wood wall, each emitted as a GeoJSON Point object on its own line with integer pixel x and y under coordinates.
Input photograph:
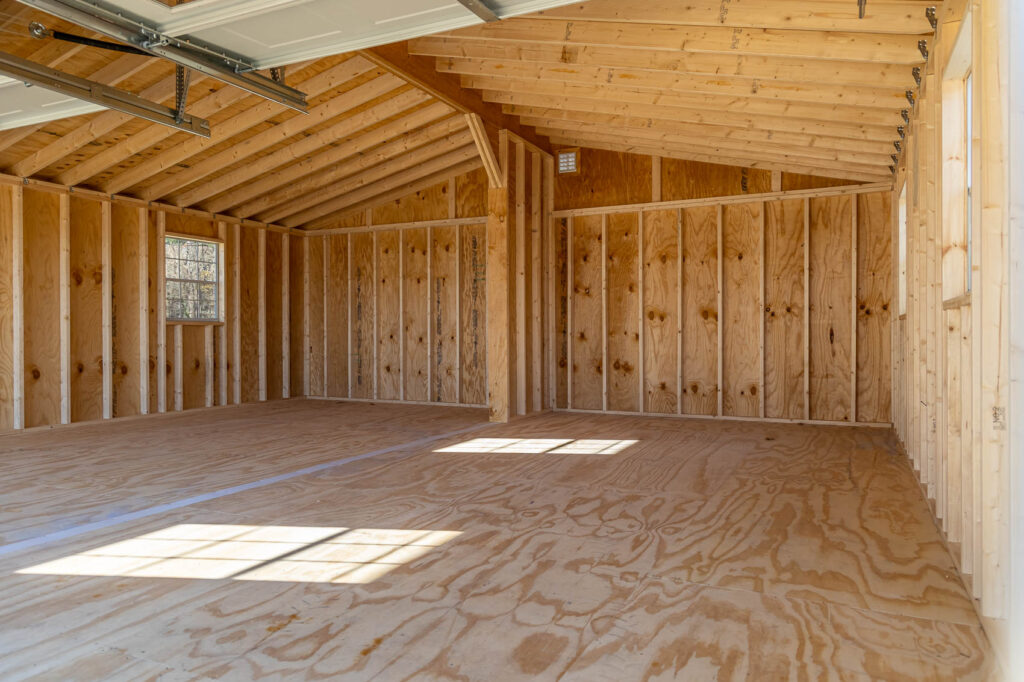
{"type": "Point", "coordinates": [772, 308]}
{"type": "Point", "coordinates": [82, 315]}
{"type": "Point", "coordinates": [951, 345]}
{"type": "Point", "coordinates": [396, 300]}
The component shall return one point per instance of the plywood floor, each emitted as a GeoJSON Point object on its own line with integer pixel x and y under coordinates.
{"type": "Point", "coordinates": [563, 546]}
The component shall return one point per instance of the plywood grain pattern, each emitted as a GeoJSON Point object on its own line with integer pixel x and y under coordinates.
{"type": "Point", "coordinates": [42, 310]}
{"type": "Point", "coordinates": [586, 302]}
{"type": "Point", "coordinates": [471, 194]}
{"type": "Point", "coordinates": [874, 294]}
{"type": "Point", "coordinates": [703, 551]}
{"type": "Point", "coordinates": [337, 315]}
{"type": "Point", "coordinates": [315, 309]}
{"type": "Point", "coordinates": [363, 314]}
{"type": "Point", "coordinates": [623, 325]}
{"type": "Point", "coordinates": [389, 316]}
{"type": "Point", "coordinates": [830, 296]}
{"type": "Point", "coordinates": [682, 179]}
{"type": "Point", "coordinates": [6, 308]}
{"type": "Point", "coordinates": [415, 313]}
{"type": "Point", "coordinates": [275, 373]}
{"type": "Point", "coordinates": [86, 307]}
{"type": "Point", "coordinates": [125, 263]}
{"type": "Point", "coordinates": [661, 273]}
{"type": "Point", "coordinates": [473, 314]}
{"type": "Point", "coordinates": [741, 319]}
{"type": "Point", "coordinates": [196, 226]}
{"type": "Point", "coordinates": [249, 265]}
{"type": "Point", "coordinates": [784, 309]}
{"type": "Point", "coordinates": [297, 313]}
{"type": "Point", "coordinates": [444, 292]}
{"type": "Point", "coordinates": [193, 366]}
{"type": "Point", "coordinates": [700, 311]}
{"type": "Point", "coordinates": [605, 178]}
{"type": "Point", "coordinates": [426, 204]}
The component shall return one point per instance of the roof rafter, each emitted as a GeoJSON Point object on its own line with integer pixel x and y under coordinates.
{"type": "Point", "coordinates": [390, 191]}
{"type": "Point", "coordinates": [359, 155]}
{"type": "Point", "coordinates": [224, 130]}
{"type": "Point", "coordinates": [790, 69]}
{"type": "Point", "coordinates": [244, 182]}
{"type": "Point", "coordinates": [440, 152]}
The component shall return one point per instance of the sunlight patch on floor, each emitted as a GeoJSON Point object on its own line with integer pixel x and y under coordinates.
{"type": "Point", "coordinates": [537, 446]}
{"type": "Point", "coordinates": [269, 553]}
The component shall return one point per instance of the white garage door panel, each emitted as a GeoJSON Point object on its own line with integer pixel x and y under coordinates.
{"type": "Point", "coordinates": [270, 33]}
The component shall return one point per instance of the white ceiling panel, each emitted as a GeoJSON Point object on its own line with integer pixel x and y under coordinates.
{"type": "Point", "coordinates": [269, 33]}
{"type": "Point", "coordinates": [279, 32]}
{"type": "Point", "coordinates": [22, 105]}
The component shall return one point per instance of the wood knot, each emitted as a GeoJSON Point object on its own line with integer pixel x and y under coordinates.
{"type": "Point", "coordinates": [753, 390]}
{"type": "Point", "coordinates": [124, 369]}
{"type": "Point", "coordinates": [664, 258]}
{"type": "Point", "coordinates": [97, 276]}
{"type": "Point", "coordinates": [739, 256]}
{"type": "Point", "coordinates": [195, 363]}
{"type": "Point", "coordinates": [35, 373]}
{"type": "Point", "coordinates": [693, 388]}
{"type": "Point", "coordinates": [76, 275]}
{"type": "Point", "coordinates": [80, 367]}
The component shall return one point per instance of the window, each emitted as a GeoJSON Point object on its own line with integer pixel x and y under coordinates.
{"type": "Point", "coordinates": [568, 161]}
{"type": "Point", "coordinates": [192, 277]}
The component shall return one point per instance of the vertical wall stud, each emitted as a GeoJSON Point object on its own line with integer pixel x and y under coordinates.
{"type": "Point", "coordinates": [261, 296]}
{"type": "Point", "coordinates": [431, 331]}
{"type": "Point", "coordinates": [551, 306]}
{"type": "Point", "coordinates": [853, 312]}
{"type": "Point", "coordinates": [161, 312]}
{"type": "Point", "coordinates": [655, 178]}
{"type": "Point", "coordinates": [640, 310]}
{"type": "Point", "coordinates": [458, 314]}
{"type": "Point", "coordinates": [679, 311]}
{"type": "Point", "coordinates": [65, 308]}
{"type": "Point", "coordinates": [807, 308]}
{"type": "Point", "coordinates": [536, 291]}
{"type": "Point", "coordinates": [18, 303]}
{"type": "Point", "coordinates": [348, 306]}
{"type": "Point", "coordinates": [222, 330]}
{"type": "Point", "coordinates": [401, 314]}
{"type": "Point", "coordinates": [761, 389]}
{"type": "Point", "coordinates": [570, 285]}
{"type": "Point", "coordinates": [604, 311]}
{"type": "Point", "coordinates": [376, 314]}
{"type": "Point", "coordinates": [721, 312]}
{"type": "Point", "coordinates": [323, 297]}
{"type": "Point", "coordinates": [306, 348]}
{"type": "Point", "coordinates": [521, 361]}
{"type": "Point", "coordinates": [107, 311]}
{"type": "Point", "coordinates": [179, 389]}
{"type": "Point", "coordinates": [286, 316]}
{"type": "Point", "coordinates": [143, 284]}
{"type": "Point", "coordinates": [236, 312]}
{"type": "Point", "coordinates": [208, 355]}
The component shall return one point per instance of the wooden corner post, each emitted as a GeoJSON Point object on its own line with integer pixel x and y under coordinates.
{"type": "Point", "coordinates": [499, 251]}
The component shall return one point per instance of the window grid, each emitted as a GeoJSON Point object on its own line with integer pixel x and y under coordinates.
{"type": "Point", "coordinates": [192, 279]}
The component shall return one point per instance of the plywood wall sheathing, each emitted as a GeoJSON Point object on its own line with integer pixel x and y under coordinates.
{"type": "Point", "coordinates": [706, 306]}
